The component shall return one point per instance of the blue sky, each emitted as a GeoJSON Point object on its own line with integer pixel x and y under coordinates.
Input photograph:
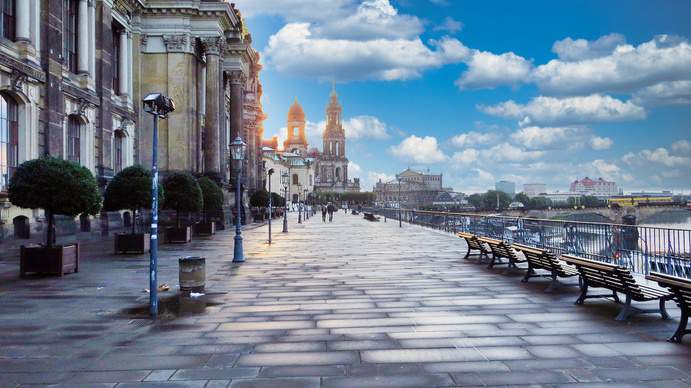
{"type": "Point", "coordinates": [530, 91]}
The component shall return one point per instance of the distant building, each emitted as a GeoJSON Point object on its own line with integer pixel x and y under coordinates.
{"type": "Point", "coordinates": [416, 189]}
{"type": "Point", "coordinates": [598, 187]}
{"type": "Point", "coordinates": [507, 187]}
{"type": "Point", "coordinates": [534, 189]}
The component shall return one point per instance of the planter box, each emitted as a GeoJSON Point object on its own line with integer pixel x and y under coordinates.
{"type": "Point", "coordinates": [205, 228]}
{"type": "Point", "coordinates": [56, 260]}
{"type": "Point", "coordinates": [132, 243]}
{"type": "Point", "coordinates": [179, 235]}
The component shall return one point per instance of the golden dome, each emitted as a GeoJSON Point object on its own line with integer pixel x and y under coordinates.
{"type": "Point", "coordinates": [295, 113]}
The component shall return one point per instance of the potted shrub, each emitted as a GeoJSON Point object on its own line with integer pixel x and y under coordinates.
{"type": "Point", "coordinates": [259, 200]}
{"type": "Point", "coordinates": [213, 203]}
{"type": "Point", "coordinates": [131, 189]}
{"type": "Point", "coordinates": [58, 187]}
{"type": "Point", "coordinates": [183, 194]}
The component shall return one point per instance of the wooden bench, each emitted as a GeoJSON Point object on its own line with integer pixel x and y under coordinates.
{"type": "Point", "coordinates": [474, 244]}
{"type": "Point", "coordinates": [543, 259]}
{"type": "Point", "coordinates": [597, 274]}
{"type": "Point", "coordinates": [682, 294]}
{"type": "Point", "coordinates": [370, 217]}
{"type": "Point", "coordinates": [499, 250]}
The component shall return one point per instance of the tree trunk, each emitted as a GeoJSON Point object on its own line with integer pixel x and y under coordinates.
{"type": "Point", "coordinates": [51, 229]}
{"type": "Point", "coordinates": [134, 220]}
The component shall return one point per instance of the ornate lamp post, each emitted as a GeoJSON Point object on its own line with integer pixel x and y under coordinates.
{"type": "Point", "coordinates": [400, 224]}
{"type": "Point", "coordinates": [299, 205]}
{"type": "Point", "coordinates": [159, 106]}
{"type": "Point", "coordinates": [285, 180]}
{"type": "Point", "coordinates": [304, 201]}
{"type": "Point", "coordinates": [269, 173]}
{"type": "Point", "coordinates": [237, 153]}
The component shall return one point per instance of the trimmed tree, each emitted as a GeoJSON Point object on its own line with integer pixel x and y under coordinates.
{"type": "Point", "coordinates": [58, 187]}
{"type": "Point", "coordinates": [277, 200]}
{"type": "Point", "coordinates": [131, 189]}
{"type": "Point", "coordinates": [212, 196]}
{"type": "Point", "coordinates": [183, 194]}
{"type": "Point", "coordinates": [260, 198]}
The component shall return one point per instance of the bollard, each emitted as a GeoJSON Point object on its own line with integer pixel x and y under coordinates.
{"type": "Point", "coordinates": [192, 273]}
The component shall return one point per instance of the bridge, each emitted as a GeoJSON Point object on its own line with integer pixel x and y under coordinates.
{"type": "Point", "coordinates": [344, 304]}
{"type": "Point", "coordinates": [643, 214]}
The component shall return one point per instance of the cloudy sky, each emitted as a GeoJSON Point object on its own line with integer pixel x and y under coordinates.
{"type": "Point", "coordinates": [537, 91]}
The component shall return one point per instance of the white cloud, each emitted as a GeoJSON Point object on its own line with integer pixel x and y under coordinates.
{"type": "Point", "coordinates": [627, 68]}
{"type": "Point", "coordinates": [473, 138]}
{"type": "Point", "coordinates": [295, 9]}
{"type": "Point", "coordinates": [681, 146]}
{"type": "Point", "coordinates": [449, 25]}
{"type": "Point", "coordinates": [606, 170]}
{"type": "Point", "coordinates": [294, 49]}
{"type": "Point", "coordinates": [662, 156]}
{"type": "Point", "coordinates": [546, 137]}
{"type": "Point", "coordinates": [423, 150]}
{"type": "Point", "coordinates": [579, 49]}
{"type": "Point", "coordinates": [664, 93]}
{"type": "Point", "coordinates": [506, 152]}
{"type": "Point", "coordinates": [466, 157]}
{"type": "Point", "coordinates": [365, 127]}
{"type": "Point", "coordinates": [369, 179]}
{"type": "Point", "coordinates": [372, 19]}
{"type": "Point", "coordinates": [565, 111]}
{"type": "Point", "coordinates": [353, 168]}
{"type": "Point", "coordinates": [488, 70]}
{"type": "Point", "coordinates": [600, 143]}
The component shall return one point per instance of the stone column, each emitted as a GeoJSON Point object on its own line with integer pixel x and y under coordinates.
{"type": "Point", "coordinates": [83, 32]}
{"type": "Point", "coordinates": [212, 157]}
{"type": "Point", "coordinates": [23, 22]}
{"type": "Point", "coordinates": [92, 38]}
{"type": "Point", "coordinates": [122, 64]}
{"type": "Point", "coordinates": [237, 100]}
{"type": "Point", "coordinates": [36, 25]}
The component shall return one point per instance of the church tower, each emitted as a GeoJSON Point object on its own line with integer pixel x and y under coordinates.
{"type": "Point", "coordinates": [335, 165]}
{"type": "Point", "coordinates": [296, 140]}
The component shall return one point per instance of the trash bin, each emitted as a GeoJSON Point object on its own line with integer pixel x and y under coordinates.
{"type": "Point", "coordinates": [192, 273]}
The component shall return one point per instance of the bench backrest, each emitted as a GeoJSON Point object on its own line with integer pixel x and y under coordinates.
{"type": "Point", "coordinates": [600, 274]}
{"type": "Point", "coordinates": [539, 258]}
{"type": "Point", "coordinates": [498, 247]}
{"type": "Point", "coordinates": [472, 241]}
{"type": "Point", "coordinates": [681, 285]}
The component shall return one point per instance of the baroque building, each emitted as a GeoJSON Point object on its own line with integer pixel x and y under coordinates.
{"type": "Point", "coordinates": [411, 189]}
{"type": "Point", "coordinates": [73, 73]}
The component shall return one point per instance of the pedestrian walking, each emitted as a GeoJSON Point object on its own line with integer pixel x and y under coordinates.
{"type": "Point", "coordinates": [330, 208]}
{"type": "Point", "coordinates": [323, 208]}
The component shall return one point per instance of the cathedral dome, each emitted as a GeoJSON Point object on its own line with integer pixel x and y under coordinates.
{"type": "Point", "coordinates": [295, 113]}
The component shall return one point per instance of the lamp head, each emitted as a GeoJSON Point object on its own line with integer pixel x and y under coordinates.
{"type": "Point", "coordinates": [237, 149]}
{"type": "Point", "coordinates": [271, 171]}
{"type": "Point", "coordinates": [158, 104]}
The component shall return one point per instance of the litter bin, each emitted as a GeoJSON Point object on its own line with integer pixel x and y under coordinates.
{"type": "Point", "coordinates": [192, 273]}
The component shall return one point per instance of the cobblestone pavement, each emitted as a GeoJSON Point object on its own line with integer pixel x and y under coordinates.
{"type": "Point", "coordinates": [347, 304]}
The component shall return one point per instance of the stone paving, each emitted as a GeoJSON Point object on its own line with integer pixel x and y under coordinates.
{"type": "Point", "coordinates": [347, 304]}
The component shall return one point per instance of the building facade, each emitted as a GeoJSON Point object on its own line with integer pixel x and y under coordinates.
{"type": "Point", "coordinates": [596, 187]}
{"type": "Point", "coordinates": [534, 189]}
{"type": "Point", "coordinates": [410, 189]}
{"type": "Point", "coordinates": [507, 187]}
{"type": "Point", "coordinates": [73, 73]}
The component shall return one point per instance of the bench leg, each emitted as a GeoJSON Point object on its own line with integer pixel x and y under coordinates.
{"type": "Point", "coordinates": [554, 284]}
{"type": "Point", "coordinates": [663, 309]}
{"type": "Point", "coordinates": [681, 330]}
{"type": "Point", "coordinates": [625, 310]}
{"type": "Point", "coordinates": [528, 274]}
{"type": "Point", "coordinates": [467, 254]}
{"type": "Point", "coordinates": [584, 292]}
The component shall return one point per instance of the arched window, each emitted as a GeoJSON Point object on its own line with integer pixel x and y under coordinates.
{"type": "Point", "coordinates": [338, 149]}
{"type": "Point", "coordinates": [9, 140]}
{"type": "Point", "coordinates": [69, 33]}
{"type": "Point", "coordinates": [118, 156]}
{"type": "Point", "coordinates": [295, 179]}
{"type": "Point", "coordinates": [22, 229]}
{"type": "Point", "coordinates": [74, 142]}
{"type": "Point", "coordinates": [338, 174]}
{"type": "Point", "coordinates": [7, 23]}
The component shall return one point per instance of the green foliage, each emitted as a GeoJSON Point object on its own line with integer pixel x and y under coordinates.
{"type": "Point", "coordinates": [477, 201]}
{"type": "Point", "coordinates": [277, 200]}
{"type": "Point", "coordinates": [183, 193]}
{"type": "Point", "coordinates": [131, 189]}
{"type": "Point", "coordinates": [488, 200]}
{"type": "Point", "coordinates": [524, 199]}
{"type": "Point", "coordinates": [540, 203]}
{"type": "Point", "coordinates": [212, 195]}
{"type": "Point", "coordinates": [55, 185]}
{"type": "Point", "coordinates": [260, 198]}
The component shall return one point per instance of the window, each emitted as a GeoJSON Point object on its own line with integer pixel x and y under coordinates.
{"type": "Point", "coordinates": [69, 34]}
{"type": "Point", "coordinates": [118, 140]}
{"type": "Point", "coordinates": [9, 140]}
{"type": "Point", "coordinates": [7, 23]}
{"type": "Point", "coordinates": [73, 139]}
{"type": "Point", "coordinates": [115, 62]}
{"type": "Point", "coordinates": [295, 179]}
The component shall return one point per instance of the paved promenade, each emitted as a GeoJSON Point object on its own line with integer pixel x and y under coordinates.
{"type": "Point", "coordinates": [348, 304]}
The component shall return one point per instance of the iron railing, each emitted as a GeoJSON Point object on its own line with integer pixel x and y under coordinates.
{"type": "Point", "coordinates": [640, 248]}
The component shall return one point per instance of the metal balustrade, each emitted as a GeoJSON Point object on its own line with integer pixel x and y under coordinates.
{"type": "Point", "coordinates": [639, 248]}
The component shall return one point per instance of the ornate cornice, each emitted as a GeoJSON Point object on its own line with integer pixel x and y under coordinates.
{"type": "Point", "coordinates": [213, 45]}
{"type": "Point", "coordinates": [29, 70]}
{"type": "Point", "coordinates": [237, 77]}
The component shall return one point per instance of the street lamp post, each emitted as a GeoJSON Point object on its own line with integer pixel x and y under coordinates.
{"type": "Point", "coordinates": [299, 205]}
{"type": "Point", "coordinates": [400, 224]}
{"type": "Point", "coordinates": [304, 201]}
{"type": "Point", "coordinates": [237, 151]}
{"type": "Point", "coordinates": [157, 105]}
{"type": "Point", "coordinates": [285, 179]}
{"type": "Point", "coordinates": [270, 172]}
